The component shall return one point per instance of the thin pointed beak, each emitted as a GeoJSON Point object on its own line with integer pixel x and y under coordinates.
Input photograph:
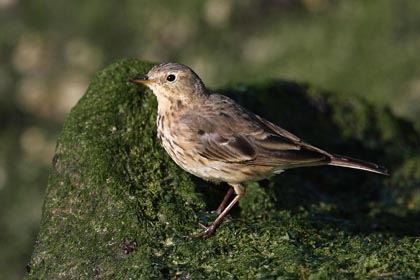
{"type": "Point", "coordinates": [142, 80]}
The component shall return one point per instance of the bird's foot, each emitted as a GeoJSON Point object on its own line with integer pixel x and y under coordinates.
{"type": "Point", "coordinates": [206, 233]}
{"type": "Point", "coordinates": [217, 211]}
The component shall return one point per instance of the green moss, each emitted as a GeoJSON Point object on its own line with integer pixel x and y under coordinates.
{"type": "Point", "coordinates": [117, 207]}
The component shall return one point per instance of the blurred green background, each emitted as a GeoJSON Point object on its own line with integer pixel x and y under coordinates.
{"type": "Point", "coordinates": [49, 51]}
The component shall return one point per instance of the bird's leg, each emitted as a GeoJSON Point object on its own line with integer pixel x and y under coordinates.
{"type": "Point", "coordinates": [240, 191]}
{"type": "Point", "coordinates": [224, 201]}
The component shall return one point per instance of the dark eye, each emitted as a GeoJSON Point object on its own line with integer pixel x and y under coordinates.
{"type": "Point", "coordinates": [170, 78]}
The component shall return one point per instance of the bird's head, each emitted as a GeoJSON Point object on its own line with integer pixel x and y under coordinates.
{"type": "Point", "coordinates": [172, 81]}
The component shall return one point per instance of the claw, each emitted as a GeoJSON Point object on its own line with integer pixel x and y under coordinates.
{"type": "Point", "coordinates": [201, 225]}
{"type": "Point", "coordinates": [209, 231]}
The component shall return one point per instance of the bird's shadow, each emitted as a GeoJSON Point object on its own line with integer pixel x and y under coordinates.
{"type": "Point", "coordinates": [361, 202]}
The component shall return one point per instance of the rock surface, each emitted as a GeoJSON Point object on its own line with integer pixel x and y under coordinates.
{"type": "Point", "coordinates": [117, 207]}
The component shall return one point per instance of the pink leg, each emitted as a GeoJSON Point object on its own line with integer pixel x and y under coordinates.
{"type": "Point", "coordinates": [224, 201]}
{"type": "Point", "coordinates": [240, 191]}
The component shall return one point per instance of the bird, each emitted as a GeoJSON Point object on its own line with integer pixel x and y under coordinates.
{"type": "Point", "coordinates": [214, 138]}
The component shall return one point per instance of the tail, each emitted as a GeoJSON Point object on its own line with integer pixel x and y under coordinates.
{"type": "Point", "coordinates": [342, 161]}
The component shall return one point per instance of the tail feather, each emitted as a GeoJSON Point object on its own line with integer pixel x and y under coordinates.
{"type": "Point", "coordinates": [342, 161]}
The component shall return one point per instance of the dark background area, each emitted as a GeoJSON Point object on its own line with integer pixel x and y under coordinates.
{"type": "Point", "coordinates": [50, 50]}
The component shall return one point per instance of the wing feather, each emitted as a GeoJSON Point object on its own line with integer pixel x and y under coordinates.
{"type": "Point", "coordinates": [247, 138]}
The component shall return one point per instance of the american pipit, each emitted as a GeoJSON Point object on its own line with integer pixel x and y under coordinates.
{"type": "Point", "coordinates": [214, 138]}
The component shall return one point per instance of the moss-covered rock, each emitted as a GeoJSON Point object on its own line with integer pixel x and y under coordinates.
{"type": "Point", "coordinates": [117, 207]}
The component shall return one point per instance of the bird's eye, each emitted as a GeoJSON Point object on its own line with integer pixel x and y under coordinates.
{"type": "Point", "coordinates": [170, 78]}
